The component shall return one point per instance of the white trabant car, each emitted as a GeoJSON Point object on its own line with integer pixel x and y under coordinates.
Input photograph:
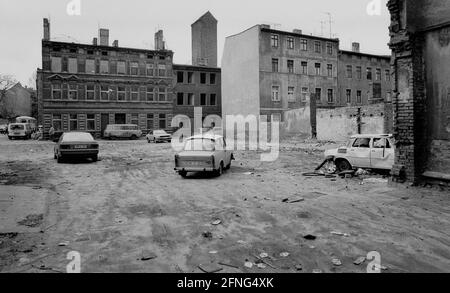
{"type": "Point", "coordinates": [370, 151]}
{"type": "Point", "coordinates": [204, 153]}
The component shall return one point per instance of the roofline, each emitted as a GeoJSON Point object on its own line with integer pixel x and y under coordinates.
{"type": "Point", "coordinates": [111, 48]}
{"type": "Point", "coordinates": [207, 12]}
{"type": "Point", "coordinates": [205, 68]}
{"type": "Point", "coordinates": [299, 35]}
{"type": "Point", "coordinates": [244, 31]}
{"type": "Point", "coordinates": [365, 54]}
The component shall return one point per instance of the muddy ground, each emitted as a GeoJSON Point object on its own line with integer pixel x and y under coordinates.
{"type": "Point", "coordinates": [130, 212]}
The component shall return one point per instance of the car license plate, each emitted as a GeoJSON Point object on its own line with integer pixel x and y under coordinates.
{"type": "Point", "coordinates": [81, 146]}
{"type": "Point", "coordinates": [16, 133]}
{"type": "Point", "coordinates": [193, 163]}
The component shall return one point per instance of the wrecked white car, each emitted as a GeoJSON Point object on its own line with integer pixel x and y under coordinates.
{"type": "Point", "coordinates": [367, 151]}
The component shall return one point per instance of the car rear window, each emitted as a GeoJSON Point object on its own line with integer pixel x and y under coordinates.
{"type": "Point", "coordinates": [199, 144]}
{"type": "Point", "coordinates": [75, 137]}
{"type": "Point", "coordinates": [17, 127]}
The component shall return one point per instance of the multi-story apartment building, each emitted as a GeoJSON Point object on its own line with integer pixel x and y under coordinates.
{"type": "Point", "coordinates": [88, 86]}
{"type": "Point", "coordinates": [363, 78]}
{"type": "Point", "coordinates": [267, 72]}
{"type": "Point", "coordinates": [197, 86]}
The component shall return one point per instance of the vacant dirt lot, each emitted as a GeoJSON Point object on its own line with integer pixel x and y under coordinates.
{"type": "Point", "coordinates": [130, 212]}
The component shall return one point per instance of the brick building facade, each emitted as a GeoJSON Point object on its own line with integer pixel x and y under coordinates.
{"type": "Point", "coordinates": [85, 87]}
{"type": "Point", "coordinates": [420, 43]}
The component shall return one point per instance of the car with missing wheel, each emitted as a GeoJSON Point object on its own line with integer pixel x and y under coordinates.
{"type": "Point", "coordinates": [367, 151]}
{"type": "Point", "coordinates": [76, 145]}
{"type": "Point", "coordinates": [204, 153]}
{"type": "Point", "coordinates": [122, 131]}
{"type": "Point", "coordinates": [158, 136]}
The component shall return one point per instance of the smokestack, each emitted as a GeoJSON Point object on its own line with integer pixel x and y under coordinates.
{"type": "Point", "coordinates": [46, 30]}
{"type": "Point", "coordinates": [159, 40]}
{"type": "Point", "coordinates": [103, 35]}
{"type": "Point", "coordinates": [95, 42]}
{"type": "Point", "coordinates": [116, 43]}
{"type": "Point", "coordinates": [355, 47]}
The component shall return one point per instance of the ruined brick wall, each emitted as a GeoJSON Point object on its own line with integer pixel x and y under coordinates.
{"type": "Point", "coordinates": [420, 84]}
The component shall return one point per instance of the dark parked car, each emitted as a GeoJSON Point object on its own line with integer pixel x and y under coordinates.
{"type": "Point", "coordinates": [76, 144]}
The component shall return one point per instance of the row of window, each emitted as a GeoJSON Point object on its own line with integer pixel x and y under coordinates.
{"type": "Point", "coordinates": [190, 77]}
{"type": "Point", "coordinates": [75, 120]}
{"type": "Point", "coordinates": [109, 93]}
{"type": "Point", "coordinates": [318, 94]}
{"type": "Point", "coordinates": [302, 44]}
{"type": "Point", "coordinates": [303, 69]}
{"type": "Point", "coordinates": [369, 73]}
{"type": "Point", "coordinates": [276, 97]}
{"type": "Point", "coordinates": [109, 53]}
{"type": "Point", "coordinates": [93, 66]}
{"type": "Point", "coordinates": [188, 99]}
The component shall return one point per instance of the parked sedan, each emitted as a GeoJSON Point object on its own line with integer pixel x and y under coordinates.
{"type": "Point", "coordinates": [158, 136]}
{"type": "Point", "coordinates": [76, 144]}
{"type": "Point", "coordinates": [204, 153]}
{"type": "Point", "coordinates": [372, 151]}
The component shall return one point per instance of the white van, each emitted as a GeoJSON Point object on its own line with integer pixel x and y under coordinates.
{"type": "Point", "coordinates": [129, 131]}
{"type": "Point", "coordinates": [19, 130]}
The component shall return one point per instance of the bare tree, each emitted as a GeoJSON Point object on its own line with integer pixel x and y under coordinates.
{"type": "Point", "coordinates": [6, 82]}
{"type": "Point", "coordinates": [32, 80]}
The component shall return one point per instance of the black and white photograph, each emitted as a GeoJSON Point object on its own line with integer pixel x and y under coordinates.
{"type": "Point", "coordinates": [209, 138]}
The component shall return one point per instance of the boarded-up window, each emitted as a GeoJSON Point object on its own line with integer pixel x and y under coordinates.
{"type": "Point", "coordinates": [56, 64]}
{"type": "Point", "coordinates": [90, 66]}
{"type": "Point", "coordinates": [104, 66]}
{"type": "Point", "coordinates": [73, 65]}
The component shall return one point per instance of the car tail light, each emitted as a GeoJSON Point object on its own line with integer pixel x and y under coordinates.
{"type": "Point", "coordinates": [177, 158]}
{"type": "Point", "coordinates": [93, 146]}
{"type": "Point", "coordinates": [213, 161]}
{"type": "Point", "coordinates": [65, 147]}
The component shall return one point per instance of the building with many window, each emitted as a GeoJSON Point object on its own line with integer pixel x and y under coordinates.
{"type": "Point", "coordinates": [363, 78]}
{"type": "Point", "coordinates": [268, 72]}
{"type": "Point", "coordinates": [197, 86]}
{"type": "Point", "coordinates": [88, 86]}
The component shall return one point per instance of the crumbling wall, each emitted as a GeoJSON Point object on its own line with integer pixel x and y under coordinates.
{"type": "Point", "coordinates": [336, 124]}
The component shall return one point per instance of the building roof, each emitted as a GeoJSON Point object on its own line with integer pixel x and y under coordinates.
{"type": "Point", "coordinates": [206, 17]}
{"type": "Point", "coordinates": [196, 67]}
{"type": "Point", "coordinates": [111, 48]}
{"type": "Point", "coordinates": [388, 57]}
{"type": "Point", "coordinates": [298, 34]}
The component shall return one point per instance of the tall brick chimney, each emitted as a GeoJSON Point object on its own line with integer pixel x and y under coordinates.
{"type": "Point", "coordinates": [355, 47]}
{"type": "Point", "coordinates": [46, 30]}
{"type": "Point", "coordinates": [159, 40]}
{"type": "Point", "coordinates": [103, 36]}
{"type": "Point", "coordinates": [95, 42]}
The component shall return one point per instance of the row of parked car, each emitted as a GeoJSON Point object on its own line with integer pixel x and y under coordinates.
{"type": "Point", "coordinates": [201, 153]}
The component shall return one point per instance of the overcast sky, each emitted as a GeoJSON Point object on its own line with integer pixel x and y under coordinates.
{"type": "Point", "coordinates": [134, 22]}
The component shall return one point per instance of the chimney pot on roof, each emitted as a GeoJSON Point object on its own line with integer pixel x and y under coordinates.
{"type": "Point", "coordinates": [159, 40]}
{"type": "Point", "coordinates": [46, 29]}
{"type": "Point", "coordinates": [298, 31]}
{"type": "Point", "coordinates": [355, 47]}
{"type": "Point", "coordinates": [103, 36]}
{"type": "Point", "coordinates": [95, 42]}
{"type": "Point", "coordinates": [116, 43]}
{"type": "Point", "coordinates": [266, 26]}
